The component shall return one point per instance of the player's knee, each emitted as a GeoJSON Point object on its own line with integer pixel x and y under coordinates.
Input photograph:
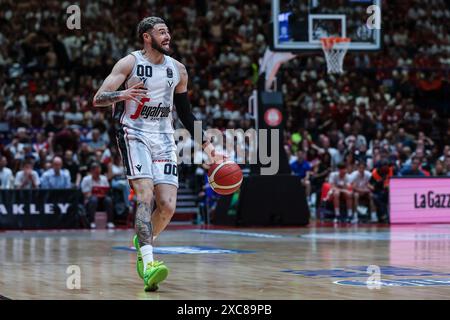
{"type": "Point", "coordinates": [167, 208]}
{"type": "Point", "coordinates": [143, 189]}
{"type": "Point", "coordinates": [144, 195]}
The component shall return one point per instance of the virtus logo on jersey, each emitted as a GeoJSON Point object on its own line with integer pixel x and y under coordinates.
{"type": "Point", "coordinates": [169, 73]}
{"type": "Point", "coordinates": [145, 111]}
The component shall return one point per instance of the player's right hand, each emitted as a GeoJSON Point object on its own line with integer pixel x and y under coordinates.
{"type": "Point", "coordinates": [135, 92]}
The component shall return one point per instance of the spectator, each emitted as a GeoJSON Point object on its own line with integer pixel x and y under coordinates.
{"type": "Point", "coordinates": [302, 169]}
{"type": "Point", "coordinates": [445, 153]}
{"type": "Point", "coordinates": [341, 189]}
{"type": "Point", "coordinates": [6, 175]}
{"type": "Point", "coordinates": [291, 158]}
{"type": "Point", "coordinates": [72, 167]}
{"type": "Point", "coordinates": [439, 169]}
{"type": "Point", "coordinates": [116, 174]}
{"type": "Point", "coordinates": [447, 164]}
{"type": "Point", "coordinates": [319, 176]}
{"type": "Point", "coordinates": [27, 178]}
{"type": "Point", "coordinates": [379, 185]}
{"type": "Point", "coordinates": [97, 144]}
{"type": "Point", "coordinates": [207, 198]}
{"type": "Point", "coordinates": [360, 187]}
{"type": "Point", "coordinates": [446, 159]}
{"type": "Point", "coordinates": [337, 154]}
{"type": "Point", "coordinates": [56, 177]}
{"type": "Point", "coordinates": [360, 154]}
{"type": "Point", "coordinates": [413, 169]}
{"type": "Point", "coordinates": [95, 189]}
{"type": "Point", "coordinates": [85, 157]}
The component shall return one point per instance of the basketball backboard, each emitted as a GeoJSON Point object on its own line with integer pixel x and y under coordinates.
{"type": "Point", "coordinates": [298, 25]}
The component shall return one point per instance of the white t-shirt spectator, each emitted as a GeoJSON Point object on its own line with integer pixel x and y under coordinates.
{"type": "Point", "coordinates": [212, 109]}
{"type": "Point", "coordinates": [362, 100]}
{"type": "Point", "coordinates": [336, 180]}
{"type": "Point", "coordinates": [336, 156]}
{"type": "Point", "coordinates": [6, 178]}
{"type": "Point", "coordinates": [22, 181]}
{"type": "Point", "coordinates": [76, 117]}
{"type": "Point", "coordinates": [88, 183]}
{"type": "Point", "coordinates": [213, 92]}
{"type": "Point", "coordinates": [360, 182]}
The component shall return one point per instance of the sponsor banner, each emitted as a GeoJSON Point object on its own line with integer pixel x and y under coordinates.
{"type": "Point", "coordinates": [419, 200]}
{"type": "Point", "coordinates": [39, 209]}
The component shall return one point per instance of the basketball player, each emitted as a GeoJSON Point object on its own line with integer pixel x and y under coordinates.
{"type": "Point", "coordinates": [153, 83]}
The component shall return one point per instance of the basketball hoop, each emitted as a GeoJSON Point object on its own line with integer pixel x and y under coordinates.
{"type": "Point", "coordinates": [335, 49]}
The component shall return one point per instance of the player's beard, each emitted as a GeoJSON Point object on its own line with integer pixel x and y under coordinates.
{"type": "Point", "coordinates": [159, 48]}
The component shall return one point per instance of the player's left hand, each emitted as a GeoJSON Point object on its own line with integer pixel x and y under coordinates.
{"type": "Point", "coordinates": [214, 157]}
{"type": "Point", "coordinates": [218, 157]}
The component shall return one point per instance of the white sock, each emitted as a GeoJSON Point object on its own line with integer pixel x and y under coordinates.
{"type": "Point", "coordinates": [147, 254]}
{"type": "Point", "coordinates": [336, 212]}
{"type": "Point", "coordinates": [350, 212]}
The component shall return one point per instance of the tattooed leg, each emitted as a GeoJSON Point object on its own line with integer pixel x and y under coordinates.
{"type": "Point", "coordinates": [143, 224]}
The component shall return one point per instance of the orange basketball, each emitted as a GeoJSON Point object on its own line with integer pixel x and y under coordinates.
{"type": "Point", "coordinates": [225, 178]}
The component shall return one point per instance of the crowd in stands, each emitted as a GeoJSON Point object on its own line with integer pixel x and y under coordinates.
{"type": "Point", "coordinates": [389, 110]}
{"type": "Point", "coordinates": [387, 115]}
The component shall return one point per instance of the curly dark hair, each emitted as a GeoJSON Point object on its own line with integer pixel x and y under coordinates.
{"type": "Point", "coordinates": [147, 24]}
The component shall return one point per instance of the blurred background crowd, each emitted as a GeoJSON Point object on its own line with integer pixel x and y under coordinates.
{"type": "Point", "coordinates": [390, 109]}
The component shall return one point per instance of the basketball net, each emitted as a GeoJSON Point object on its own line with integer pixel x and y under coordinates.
{"type": "Point", "coordinates": [335, 49]}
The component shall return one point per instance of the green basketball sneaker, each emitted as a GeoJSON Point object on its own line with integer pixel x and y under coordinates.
{"type": "Point", "coordinates": [139, 262]}
{"type": "Point", "coordinates": [156, 273]}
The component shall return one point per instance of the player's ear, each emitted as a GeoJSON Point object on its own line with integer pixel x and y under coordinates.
{"type": "Point", "coordinates": [146, 37]}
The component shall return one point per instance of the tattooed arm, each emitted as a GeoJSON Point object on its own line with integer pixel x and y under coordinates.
{"type": "Point", "coordinates": [107, 94]}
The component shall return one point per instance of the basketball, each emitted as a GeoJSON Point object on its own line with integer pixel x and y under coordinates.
{"type": "Point", "coordinates": [225, 178]}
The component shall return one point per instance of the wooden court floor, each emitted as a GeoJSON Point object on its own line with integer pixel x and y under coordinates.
{"type": "Point", "coordinates": [316, 262]}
